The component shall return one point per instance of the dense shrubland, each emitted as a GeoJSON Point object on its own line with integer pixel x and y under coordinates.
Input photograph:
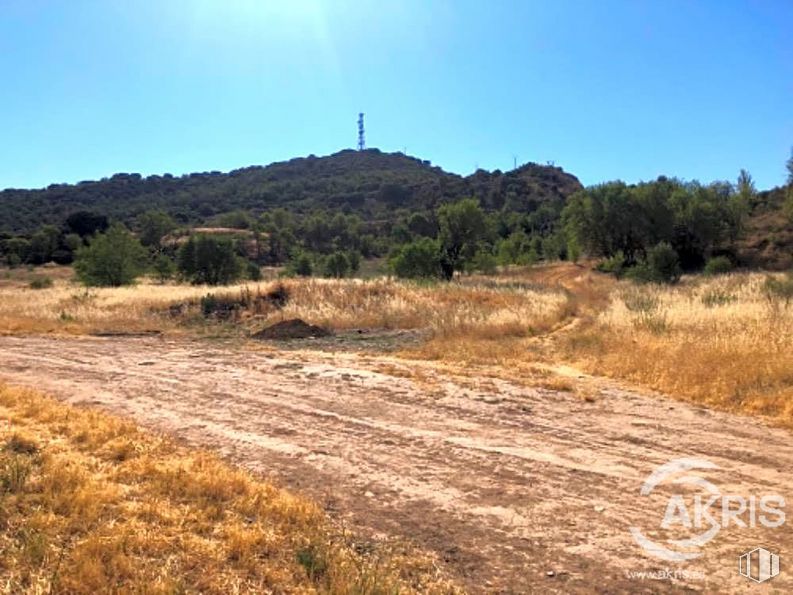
{"type": "Point", "coordinates": [652, 231]}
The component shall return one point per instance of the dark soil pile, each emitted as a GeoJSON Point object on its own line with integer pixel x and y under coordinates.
{"type": "Point", "coordinates": [291, 329]}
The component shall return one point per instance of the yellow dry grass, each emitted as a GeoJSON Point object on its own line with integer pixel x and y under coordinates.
{"type": "Point", "coordinates": [490, 311]}
{"type": "Point", "coordinates": [717, 341]}
{"type": "Point", "coordinates": [90, 504]}
{"type": "Point", "coordinates": [445, 308]}
{"type": "Point", "coordinates": [68, 307]}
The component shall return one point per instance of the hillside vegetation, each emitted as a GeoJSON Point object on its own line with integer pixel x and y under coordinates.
{"type": "Point", "coordinates": [370, 183]}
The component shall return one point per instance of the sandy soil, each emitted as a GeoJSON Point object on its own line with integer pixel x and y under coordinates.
{"type": "Point", "coordinates": [517, 489]}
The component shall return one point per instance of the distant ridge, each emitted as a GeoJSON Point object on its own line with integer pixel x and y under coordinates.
{"type": "Point", "coordinates": [370, 183]}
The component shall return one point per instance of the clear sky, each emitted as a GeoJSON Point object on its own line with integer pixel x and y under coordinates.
{"type": "Point", "coordinates": [604, 88]}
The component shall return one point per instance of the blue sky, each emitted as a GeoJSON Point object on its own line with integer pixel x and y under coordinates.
{"type": "Point", "coordinates": [606, 89]}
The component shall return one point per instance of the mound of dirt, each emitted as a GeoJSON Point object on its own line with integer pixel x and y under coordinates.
{"type": "Point", "coordinates": [291, 329]}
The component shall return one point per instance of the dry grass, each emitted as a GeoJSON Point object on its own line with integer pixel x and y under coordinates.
{"type": "Point", "coordinates": [90, 504]}
{"type": "Point", "coordinates": [717, 341]}
{"type": "Point", "coordinates": [451, 311]}
{"type": "Point", "coordinates": [68, 307]}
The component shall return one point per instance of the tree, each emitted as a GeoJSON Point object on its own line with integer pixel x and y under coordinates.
{"type": "Point", "coordinates": [111, 259]}
{"type": "Point", "coordinates": [462, 227]}
{"type": "Point", "coordinates": [421, 225]}
{"type": "Point", "coordinates": [86, 223]}
{"type": "Point", "coordinates": [17, 251]}
{"type": "Point", "coordinates": [163, 267]}
{"type": "Point", "coordinates": [337, 265]}
{"type": "Point", "coordinates": [300, 265]}
{"type": "Point", "coordinates": [661, 266]}
{"type": "Point", "coordinates": [43, 244]}
{"type": "Point", "coordinates": [419, 259]}
{"type": "Point", "coordinates": [788, 205]}
{"type": "Point", "coordinates": [154, 225]}
{"type": "Point", "coordinates": [662, 260]}
{"type": "Point", "coordinates": [209, 260]}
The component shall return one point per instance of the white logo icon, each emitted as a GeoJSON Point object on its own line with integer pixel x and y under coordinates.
{"type": "Point", "coordinates": [704, 514]}
{"type": "Point", "coordinates": [759, 565]}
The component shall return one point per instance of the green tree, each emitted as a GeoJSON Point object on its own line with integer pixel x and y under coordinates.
{"type": "Point", "coordinates": [164, 267]}
{"type": "Point", "coordinates": [43, 244]}
{"type": "Point", "coordinates": [154, 226]}
{"type": "Point", "coordinates": [85, 223]}
{"type": "Point", "coordinates": [661, 266]}
{"type": "Point", "coordinates": [111, 259]}
{"type": "Point", "coordinates": [300, 265]}
{"type": "Point", "coordinates": [484, 261]}
{"type": "Point", "coordinates": [418, 259]}
{"type": "Point", "coordinates": [73, 241]}
{"type": "Point", "coordinates": [209, 260]}
{"type": "Point", "coordinates": [17, 251]}
{"type": "Point", "coordinates": [336, 265]}
{"type": "Point", "coordinates": [462, 227]}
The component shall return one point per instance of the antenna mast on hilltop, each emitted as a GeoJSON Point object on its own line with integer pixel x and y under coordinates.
{"type": "Point", "coordinates": [361, 140]}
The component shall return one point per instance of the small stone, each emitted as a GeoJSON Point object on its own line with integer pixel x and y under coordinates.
{"type": "Point", "coordinates": [600, 508]}
{"type": "Point", "coordinates": [550, 574]}
{"type": "Point", "coordinates": [369, 494]}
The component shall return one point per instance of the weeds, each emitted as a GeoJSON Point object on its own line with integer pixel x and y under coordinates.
{"type": "Point", "coordinates": [79, 518]}
{"type": "Point", "coordinates": [41, 283]}
{"type": "Point", "coordinates": [713, 298]}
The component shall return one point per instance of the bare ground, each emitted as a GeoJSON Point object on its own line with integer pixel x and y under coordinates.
{"type": "Point", "coordinates": [517, 489]}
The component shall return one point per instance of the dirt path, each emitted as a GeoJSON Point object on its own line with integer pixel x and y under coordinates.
{"type": "Point", "coordinates": [516, 489]}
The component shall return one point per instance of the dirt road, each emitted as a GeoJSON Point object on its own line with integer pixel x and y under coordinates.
{"type": "Point", "coordinates": [517, 489]}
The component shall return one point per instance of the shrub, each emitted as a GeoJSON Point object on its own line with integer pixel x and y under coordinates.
{"type": "Point", "coordinates": [778, 292]}
{"type": "Point", "coordinates": [336, 265]}
{"type": "Point", "coordinates": [645, 306]}
{"type": "Point", "coordinates": [664, 263]}
{"type": "Point", "coordinates": [614, 265]}
{"type": "Point", "coordinates": [209, 260]}
{"type": "Point", "coordinates": [300, 265]}
{"type": "Point", "coordinates": [163, 267]}
{"type": "Point", "coordinates": [660, 266]}
{"type": "Point", "coordinates": [718, 265]}
{"type": "Point", "coordinates": [112, 259]}
{"type": "Point", "coordinates": [716, 297]}
{"type": "Point", "coordinates": [484, 262]}
{"type": "Point", "coordinates": [253, 271]}
{"type": "Point", "coordinates": [220, 307]}
{"type": "Point", "coordinates": [40, 283]}
{"type": "Point", "coordinates": [417, 260]}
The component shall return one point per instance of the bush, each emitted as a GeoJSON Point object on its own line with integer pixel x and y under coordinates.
{"type": "Point", "coordinates": [40, 283]}
{"type": "Point", "coordinates": [660, 266]}
{"type": "Point", "coordinates": [484, 262]}
{"type": "Point", "coordinates": [253, 271]}
{"type": "Point", "coordinates": [336, 265]}
{"type": "Point", "coordinates": [716, 297]}
{"type": "Point", "coordinates": [417, 260]}
{"type": "Point", "coordinates": [209, 260]}
{"type": "Point", "coordinates": [300, 265]}
{"type": "Point", "coordinates": [614, 265]}
{"type": "Point", "coordinates": [778, 292]}
{"type": "Point", "coordinates": [164, 268]}
{"type": "Point", "coordinates": [718, 265]}
{"type": "Point", "coordinates": [112, 259]}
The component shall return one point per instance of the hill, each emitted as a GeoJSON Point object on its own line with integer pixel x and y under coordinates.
{"type": "Point", "coordinates": [369, 183]}
{"type": "Point", "coordinates": [767, 241]}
